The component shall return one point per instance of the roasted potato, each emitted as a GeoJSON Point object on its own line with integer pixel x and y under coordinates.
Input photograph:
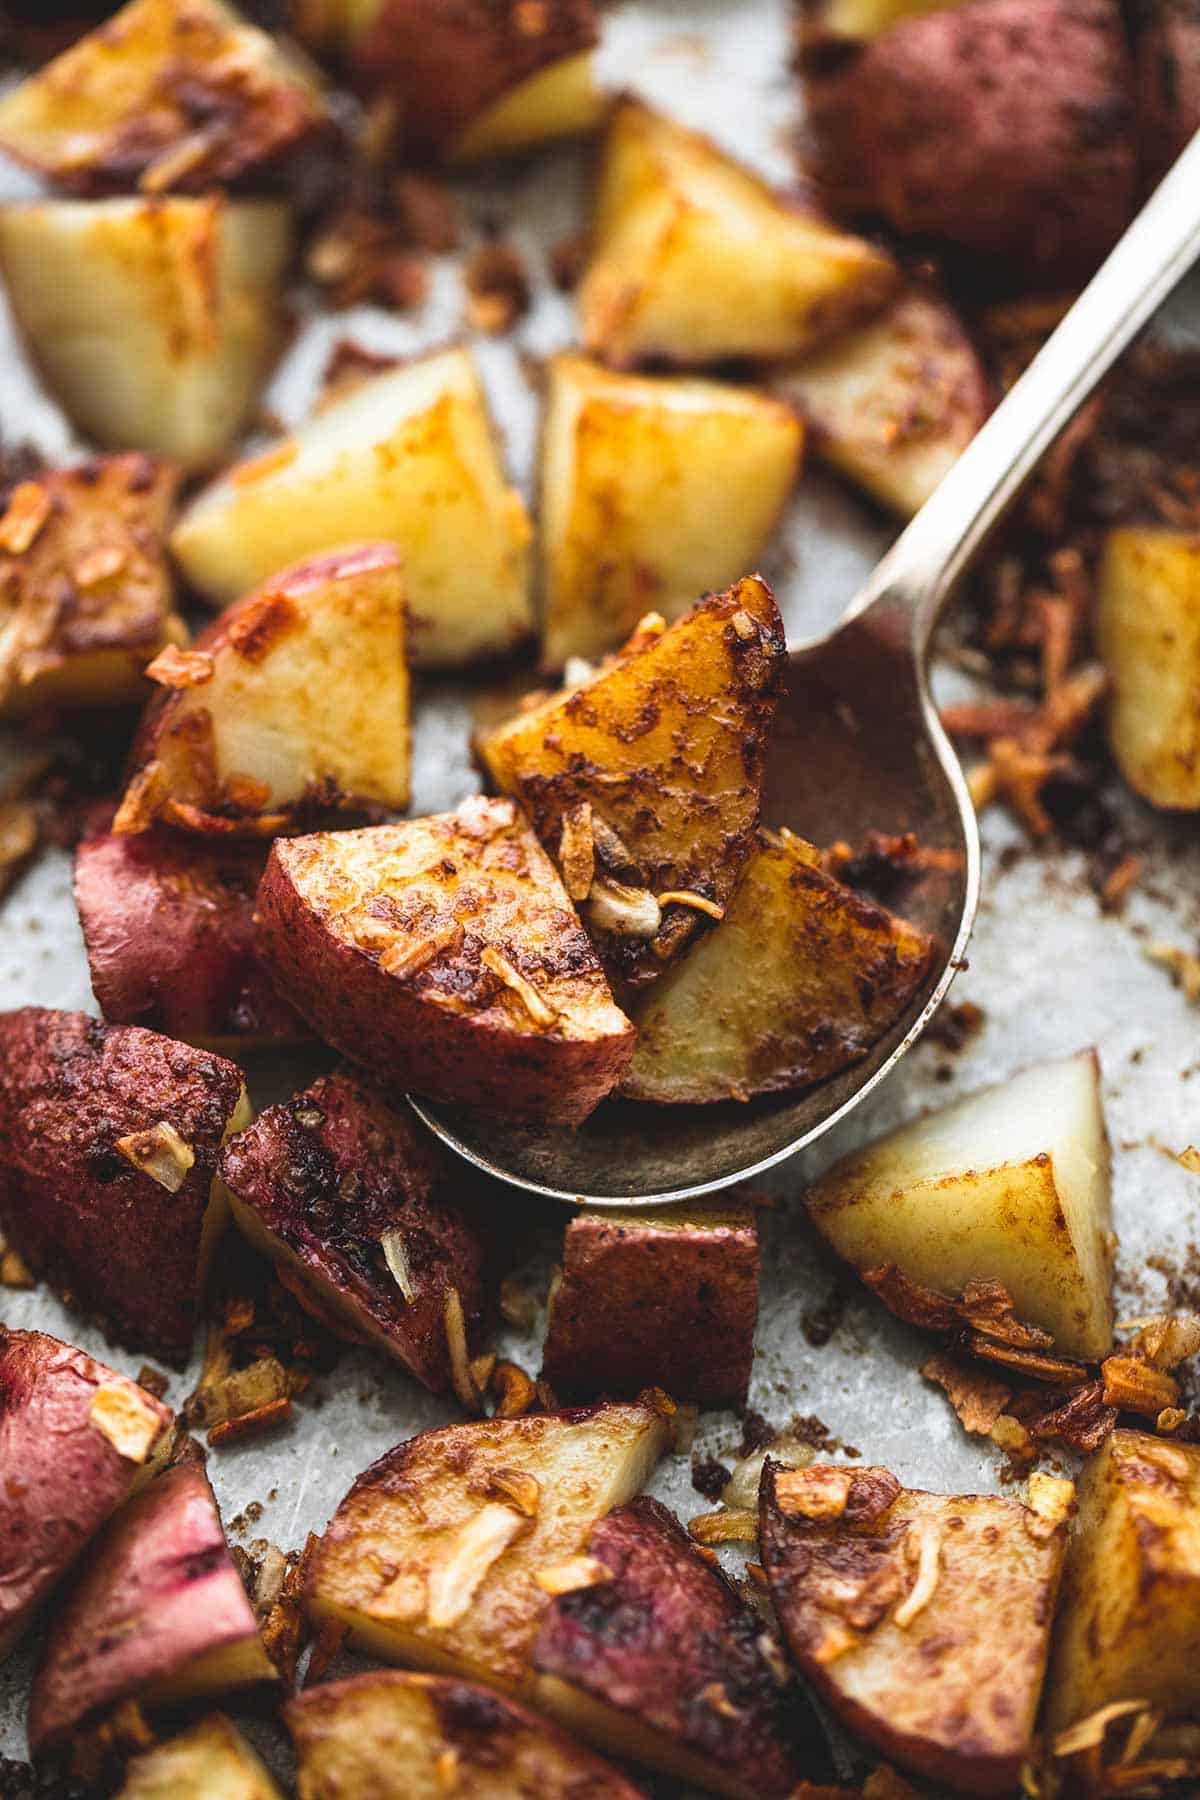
{"type": "Point", "coordinates": [1002, 129]}
{"type": "Point", "coordinates": [167, 95]}
{"type": "Point", "coordinates": [801, 977]}
{"type": "Point", "coordinates": [655, 1657]}
{"type": "Point", "coordinates": [159, 1613]}
{"type": "Point", "coordinates": [331, 27]}
{"type": "Point", "coordinates": [1009, 1185]}
{"type": "Point", "coordinates": [695, 260]}
{"type": "Point", "coordinates": [645, 779]}
{"type": "Point", "coordinates": [653, 490]}
{"type": "Point", "coordinates": [294, 699]}
{"type": "Point", "coordinates": [85, 592]}
{"type": "Point", "coordinates": [893, 404]}
{"type": "Point", "coordinates": [1168, 82]}
{"type": "Point", "coordinates": [434, 1555]}
{"type": "Point", "coordinates": [822, 20]}
{"type": "Point", "coordinates": [418, 1737]}
{"type": "Point", "coordinates": [108, 1144]}
{"type": "Point", "coordinates": [211, 1761]}
{"type": "Point", "coordinates": [1129, 1624]}
{"type": "Point", "coordinates": [656, 1299]}
{"type": "Point", "coordinates": [153, 322]}
{"type": "Point", "coordinates": [922, 1620]}
{"type": "Point", "coordinates": [168, 925]}
{"type": "Point", "coordinates": [444, 955]}
{"type": "Point", "coordinates": [485, 77]}
{"type": "Point", "coordinates": [360, 1206]}
{"type": "Point", "coordinates": [1148, 633]}
{"type": "Point", "coordinates": [408, 457]}
{"type": "Point", "coordinates": [76, 1438]}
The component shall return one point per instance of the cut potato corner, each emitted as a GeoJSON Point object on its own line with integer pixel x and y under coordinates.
{"type": "Point", "coordinates": [653, 490]}
{"type": "Point", "coordinates": [211, 1761]}
{"type": "Point", "coordinates": [696, 260]}
{"type": "Point", "coordinates": [407, 457]}
{"type": "Point", "coordinates": [800, 979]}
{"type": "Point", "coordinates": [1009, 1185]}
{"type": "Point", "coordinates": [154, 322]}
{"type": "Point", "coordinates": [408, 1537]}
{"type": "Point", "coordinates": [563, 101]}
{"type": "Point", "coordinates": [296, 698]}
{"type": "Point", "coordinates": [1148, 635]}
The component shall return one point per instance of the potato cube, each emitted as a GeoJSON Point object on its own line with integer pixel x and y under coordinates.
{"type": "Point", "coordinates": [407, 457]}
{"type": "Point", "coordinates": [695, 259]}
{"type": "Point", "coordinates": [1009, 1185]}
{"type": "Point", "coordinates": [1148, 633]}
{"type": "Point", "coordinates": [652, 491]}
{"type": "Point", "coordinates": [211, 1761]}
{"type": "Point", "coordinates": [154, 322]}
{"type": "Point", "coordinates": [652, 1299]}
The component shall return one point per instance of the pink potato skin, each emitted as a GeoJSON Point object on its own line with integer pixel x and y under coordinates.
{"type": "Point", "coordinates": [62, 1478]}
{"type": "Point", "coordinates": [158, 1589]}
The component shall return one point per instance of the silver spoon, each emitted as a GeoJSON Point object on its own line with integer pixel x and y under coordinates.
{"type": "Point", "coordinates": [858, 746]}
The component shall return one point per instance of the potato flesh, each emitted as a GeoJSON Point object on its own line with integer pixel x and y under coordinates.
{"type": "Point", "coordinates": [1148, 632]}
{"type": "Point", "coordinates": [1011, 1185]}
{"type": "Point", "coordinates": [695, 259]}
{"type": "Point", "coordinates": [399, 1522]}
{"type": "Point", "coordinates": [652, 491]}
{"type": "Point", "coordinates": [212, 1761]}
{"type": "Point", "coordinates": [867, 18]}
{"type": "Point", "coordinates": [153, 322]}
{"type": "Point", "coordinates": [800, 978]}
{"type": "Point", "coordinates": [406, 458]}
{"type": "Point", "coordinates": [1129, 1623]}
{"type": "Point", "coordinates": [558, 102]}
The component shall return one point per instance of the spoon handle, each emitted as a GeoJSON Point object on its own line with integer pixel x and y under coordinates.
{"type": "Point", "coordinates": [920, 570]}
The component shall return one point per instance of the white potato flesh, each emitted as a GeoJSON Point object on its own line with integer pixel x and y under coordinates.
{"type": "Point", "coordinates": [1012, 1184]}
{"type": "Point", "coordinates": [654, 490]}
{"type": "Point", "coordinates": [1148, 632]}
{"type": "Point", "coordinates": [407, 457]}
{"type": "Point", "coordinates": [561, 101]}
{"type": "Point", "coordinates": [154, 322]}
{"type": "Point", "coordinates": [212, 1761]}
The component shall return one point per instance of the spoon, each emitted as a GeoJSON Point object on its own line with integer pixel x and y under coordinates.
{"type": "Point", "coordinates": [857, 747]}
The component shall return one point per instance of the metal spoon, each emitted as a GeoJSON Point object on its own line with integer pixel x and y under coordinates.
{"type": "Point", "coordinates": [858, 746]}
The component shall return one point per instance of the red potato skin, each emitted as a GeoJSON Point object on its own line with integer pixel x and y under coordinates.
{"type": "Point", "coordinates": [1003, 129]}
{"type": "Point", "coordinates": [97, 1229]}
{"type": "Point", "coordinates": [1168, 84]}
{"type": "Point", "coordinates": [640, 1306]}
{"type": "Point", "coordinates": [333, 1169]}
{"type": "Point", "coordinates": [63, 1478]}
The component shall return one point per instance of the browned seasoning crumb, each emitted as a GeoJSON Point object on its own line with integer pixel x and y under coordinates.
{"type": "Point", "coordinates": [709, 1477]}
{"type": "Point", "coordinates": [820, 1322]}
{"type": "Point", "coordinates": [251, 1424]}
{"type": "Point", "coordinates": [955, 1026]}
{"type": "Point", "coordinates": [153, 1380]}
{"type": "Point", "coordinates": [498, 291]}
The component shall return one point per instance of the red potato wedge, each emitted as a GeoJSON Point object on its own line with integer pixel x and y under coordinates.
{"type": "Point", "coordinates": [645, 779]}
{"type": "Point", "coordinates": [85, 592]}
{"type": "Point", "coordinates": [407, 1737]}
{"type": "Point", "coordinates": [168, 925]}
{"type": "Point", "coordinates": [922, 1620]}
{"type": "Point", "coordinates": [1168, 83]}
{"type": "Point", "coordinates": [444, 955]}
{"type": "Point", "coordinates": [664, 1299]}
{"type": "Point", "coordinates": [159, 1614]}
{"type": "Point", "coordinates": [108, 1146]}
{"type": "Point", "coordinates": [295, 698]}
{"type": "Point", "coordinates": [363, 1207]}
{"type": "Point", "coordinates": [662, 1662]}
{"type": "Point", "coordinates": [432, 1558]}
{"type": "Point", "coordinates": [211, 1761]}
{"type": "Point", "coordinates": [76, 1438]}
{"type": "Point", "coordinates": [167, 94]}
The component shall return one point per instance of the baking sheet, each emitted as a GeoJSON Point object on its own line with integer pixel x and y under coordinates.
{"type": "Point", "coordinates": [1050, 971]}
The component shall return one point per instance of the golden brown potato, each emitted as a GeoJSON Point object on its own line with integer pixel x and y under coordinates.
{"type": "Point", "coordinates": [294, 699]}
{"type": "Point", "coordinates": [1148, 632]}
{"type": "Point", "coordinates": [645, 779]}
{"type": "Point", "coordinates": [85, 592]}
{"type": "Point", "coordinates": [653, 490]}
{"type": "Point", "coordinates": [694, 258]}
{"type": "Point", "coordinates": [445, 956]}
{"type": "Point", "coordinates": [407, 457]}
{"type": "Point", "coordinates": [434, 1555]}
{"type": "Point", "coordinates": [211, 1761]}
{"type": "Point", "coordinates": [154, 322]}
{"type": "Point", "coordinates": [1129, 1624]}
{"type": "Point", "coordinates": [922, 1620]}
{"type": "Point", "coordinates": [651, 1299]}
{"type": "Point", "coordinates": [1009, 1185]}
{"type": "Point", "coordinates": [894, 404]}
{"type": "Point", "coordinates": [419, 1737]}
{"type": "Point", "coordinates": [857, 19]}
{"type": "Point", "coordinates": [168, 94]}
{"type": "Point", "coordinates": [802, 977]}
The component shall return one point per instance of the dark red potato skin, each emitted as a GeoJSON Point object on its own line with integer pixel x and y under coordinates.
{"type": "Point", "coordinates": [1168, 84]}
